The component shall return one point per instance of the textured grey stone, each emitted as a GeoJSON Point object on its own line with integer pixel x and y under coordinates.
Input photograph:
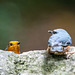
{"type": "Point", "coordinates": [37, 62]}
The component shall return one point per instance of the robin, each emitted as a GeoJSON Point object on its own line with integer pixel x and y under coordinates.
{"type": "Point", "coordinates": [14, 46]}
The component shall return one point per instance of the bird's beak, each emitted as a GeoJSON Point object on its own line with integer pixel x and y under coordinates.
{"type": "Point", "coordinates": [50, 31]}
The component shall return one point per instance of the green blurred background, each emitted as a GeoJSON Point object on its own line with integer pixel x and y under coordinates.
{"type": "Point", "coordinates": [29, 21]}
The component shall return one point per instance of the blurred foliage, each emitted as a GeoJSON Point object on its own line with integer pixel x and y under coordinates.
{"type": "Point", "coordinates": [17, 14]}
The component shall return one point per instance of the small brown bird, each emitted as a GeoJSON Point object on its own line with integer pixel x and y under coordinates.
{"type": "Point", "coordinates": [14, 46]}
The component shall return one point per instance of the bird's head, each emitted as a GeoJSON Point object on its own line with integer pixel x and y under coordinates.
{"type": "Point", "coordinates": [52, 32]}
{"type": "Point", "coordinates": [56, 31]}
{"type": "Point", "coordinates": [14, 46]}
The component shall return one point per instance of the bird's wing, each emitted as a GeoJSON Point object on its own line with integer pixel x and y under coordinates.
{"type": "Point", "coordinates": [5, 49]}
{"type": "Point", "coordinates": [65, 41]}
{"type": "Point", "coordinates": [53, 41]}
{"type": "Point", "coordinates": [59, 41]}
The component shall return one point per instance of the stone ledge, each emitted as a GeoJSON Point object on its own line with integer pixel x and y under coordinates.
{"type": "Point", "coordinates": [36, 62]}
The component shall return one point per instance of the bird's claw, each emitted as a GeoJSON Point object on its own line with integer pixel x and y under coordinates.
{"type": "Point", "coordinates": [69, 54]}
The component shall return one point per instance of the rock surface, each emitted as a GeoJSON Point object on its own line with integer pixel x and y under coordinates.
{"type": "Point", "coordinates": [36, 63]}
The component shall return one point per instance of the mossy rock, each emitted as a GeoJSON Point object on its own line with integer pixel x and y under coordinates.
{"type": "Point", "coordinates": [37, 62]}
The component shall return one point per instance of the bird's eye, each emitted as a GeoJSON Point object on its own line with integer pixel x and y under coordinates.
{"type": "Point", "coordinates": [10, 44]}
{"type": "Point", "coordinates": [54, 32]}
{"type": "Point", "coordinates": [18, 43]}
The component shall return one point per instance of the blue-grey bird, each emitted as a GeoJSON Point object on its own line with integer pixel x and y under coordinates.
{"type": "Point", "coordinates": [58, 40]}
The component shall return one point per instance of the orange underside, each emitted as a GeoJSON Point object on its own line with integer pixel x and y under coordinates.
{"type": "Point", "coordinates": [15, 49]}
{"type": "Point", "coordinates": [60, 53]}
{"type": "Point", "coordinates": [57, 53]}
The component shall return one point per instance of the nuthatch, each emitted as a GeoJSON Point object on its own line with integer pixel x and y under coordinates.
{"type": "Point", "coordinates": [59, 42]}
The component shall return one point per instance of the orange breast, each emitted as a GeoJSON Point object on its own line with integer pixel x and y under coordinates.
{"type": "Point", "coordinates": [14, 47]}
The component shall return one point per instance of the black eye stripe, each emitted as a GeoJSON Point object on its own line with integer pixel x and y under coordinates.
{"type": "Point", "coordinates": [18, 43]}
{"type": "Point", "coordinates": [54, 32]}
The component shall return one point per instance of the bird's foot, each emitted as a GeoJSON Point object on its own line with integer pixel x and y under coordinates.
{"type": "Point", "coordinates": [66, 49]}
{"type": "Point", "coordinates": [48, 50]}
{"type": "Point", "coordinates": [69, 54]}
